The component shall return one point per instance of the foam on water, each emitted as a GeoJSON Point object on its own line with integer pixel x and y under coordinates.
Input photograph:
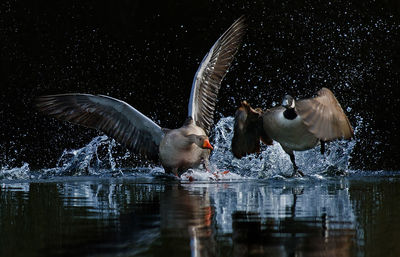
{"type": "Point", "coordinates": [97, 159]}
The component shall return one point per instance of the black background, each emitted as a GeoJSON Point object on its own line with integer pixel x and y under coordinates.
{"type": "Point", "coordinates": [147, 52]}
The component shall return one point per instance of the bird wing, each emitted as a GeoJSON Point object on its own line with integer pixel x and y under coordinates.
{"type": "Point", "coordinates": [324, 116]}
{"type": "Point", "coordinates": [248, 131]}
{"type": "Point", "coordinates": [210, 73]}
{"type": "Point", "coordinates": [112, 116]}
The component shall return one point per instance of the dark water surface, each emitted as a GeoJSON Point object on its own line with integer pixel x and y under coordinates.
{"type": "Point", "coordinates": [147, 216]}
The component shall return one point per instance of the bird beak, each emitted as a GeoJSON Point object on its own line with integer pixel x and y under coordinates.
{"type": "Point", "coordinates": [207, 145]}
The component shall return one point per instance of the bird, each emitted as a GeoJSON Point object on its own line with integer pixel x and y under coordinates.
{"type": "Point", "coordinates": [176, 149]}
{"type": "Point", "coordinates": [297, 125]}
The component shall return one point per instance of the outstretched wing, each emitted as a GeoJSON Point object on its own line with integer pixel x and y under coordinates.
{"type": "Point", "coordinates": [114, 117]}
{"type": "Point", "coordinates": [210, 73]}
{"type": "Point", "coordinates": [324, 116]}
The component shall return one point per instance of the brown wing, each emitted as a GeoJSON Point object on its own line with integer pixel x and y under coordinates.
{"type": "Point", "coordinates": [324, 116]}
{"type": "Point", "coordinates": [112, 116]}
{"type": "Point", "coordinates": [248, 131]}
{"type": "Point", "coordinates": [211, 71]}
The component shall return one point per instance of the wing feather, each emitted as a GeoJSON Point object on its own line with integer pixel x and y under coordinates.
{"type": "Point", "coordinates": [112, 116]}
{"type": "Point", "coordinates": [324, 116]}
{"type": "Point", "coordinates": [210, 73]}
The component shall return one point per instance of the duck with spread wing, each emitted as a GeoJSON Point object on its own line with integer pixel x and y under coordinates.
{"type": "Point", "coordinates": [296, 125]}
{"type": "Point", "coordinates": [176, 149]}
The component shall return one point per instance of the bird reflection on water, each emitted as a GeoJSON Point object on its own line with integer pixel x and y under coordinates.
{"type": "Point", "coordinates": [147, 218]}
{"type": "Point", "coordinates": [287, 222]}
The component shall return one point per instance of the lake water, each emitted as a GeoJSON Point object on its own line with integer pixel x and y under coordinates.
{"type": "Point", "coordinates": [141, 215]}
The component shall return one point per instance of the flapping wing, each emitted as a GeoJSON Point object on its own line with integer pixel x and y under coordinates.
{"type": "Point", "coordinates": [324, 116]}
{"type": "Point", "coordinates": [210, 73]}
{"type": "Point", "coordinates": [114, 117]}
{"type": "Point", "coordinates": [248, 131]}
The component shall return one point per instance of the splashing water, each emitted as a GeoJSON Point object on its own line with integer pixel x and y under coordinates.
{"type": "Point", "coordinates": [17, 173]}
{"type": "Point", "coordinates": [96, 159]}
{"type": "Point", "coordinates": [274, 162]}
{"type": "Point", "coordinates": [86, 160]}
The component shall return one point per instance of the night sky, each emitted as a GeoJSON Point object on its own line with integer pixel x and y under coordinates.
{"type": "Point", "coordinates": [147, 52]}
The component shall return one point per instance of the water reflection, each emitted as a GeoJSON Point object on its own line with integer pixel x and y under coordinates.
{"type": "Point", "coordinates": [147, 217]}
{"type": "Point", "coordinates": [283, 218]}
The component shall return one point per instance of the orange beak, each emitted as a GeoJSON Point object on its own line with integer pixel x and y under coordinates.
{"type": "Point", "coordinates": [207, 145]}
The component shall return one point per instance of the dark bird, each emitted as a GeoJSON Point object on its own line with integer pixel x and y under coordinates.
{"type": "Point", "coordinates": [176, 149]}
{"type": "Point", "coordinates": [296, 125]}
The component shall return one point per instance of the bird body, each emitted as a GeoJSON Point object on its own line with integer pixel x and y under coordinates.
{"type": "Point", "coordinates": [292, 134]}
{"type": "Point", "coordinates": [179, 150]}
{"type": "Point", "coordinates": [295, 125]}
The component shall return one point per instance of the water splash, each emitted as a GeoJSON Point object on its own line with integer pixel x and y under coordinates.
{"type": "Point", "coordinates": [87, 160]}
{"type": "Point", "coordinates": [17, 173]}
{"type": "Point", "coordinates": [94, 159]}
{"type": "Point", "coordinates": [213, 175]}
{"type": "Point", "coordinates": [274, 162]}
{"type": "Point", "coordinates": [97, 159]}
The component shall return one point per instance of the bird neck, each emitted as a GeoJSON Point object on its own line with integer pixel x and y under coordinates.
{"type": "Point", "coordinates": [290, 114]}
